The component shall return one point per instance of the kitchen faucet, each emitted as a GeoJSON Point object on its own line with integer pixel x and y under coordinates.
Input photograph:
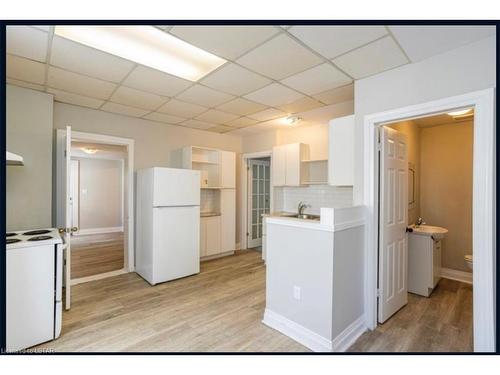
{"type": "Point", "coordinates": [301, 206]}
{"type": "Point", "coordinates": [419, 222]}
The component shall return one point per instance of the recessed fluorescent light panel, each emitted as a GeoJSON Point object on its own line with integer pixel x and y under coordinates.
{"type": "Point", "coordinates": [148, 46]}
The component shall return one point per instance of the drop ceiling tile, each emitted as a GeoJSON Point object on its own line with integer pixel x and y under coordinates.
{"type": "Point", "coordinates": [318, 79]}
{"type": "Point", "coordinates": [205, 96]}
{"type": "Point", "coordinates": [373, 58]}
{"type": "Point", "coordinates": [338, 95]}
{"type": "Point", "coordinates": [67, 97]}
{"type": "Point", "coordinates": [241, 122]}
{"type": "Point", "coordinates": [137, 98]}
{"type": "Point", "coordinates": [161, 117]}
{"type": "Point", "coordinates": [78, 84]}
{"type": "Point", "coordinates": [123, 109]}
{"type": "Point", "coordinates": [217, 117]}
{"type": "Point", "coordinates": [274, 95]}
{"type": "Point", "coordinates": [156, 82]}
{"type": "Point", "coordinates": [220, 129]}
{"type": "Point", "coordinates": [267, 114]}
{"type": "Point", "coordinates": [197, 124]}
{"type": "Point", "coordinates": [421, 42]}
{"type": "Point", "coordinates": [225, 41]}
{"type": "Point", "coordinates": [235, 80]}
{"type": "Point", "coordinates": [28, 85]}
{"type": "Point", "coordinates": [25, 70]}
{"type": "Point", "coordinates": [181, 109]}
{"type": "Point", "coordinates": [241, 106]}
{"type": "Point", "coordinates": [89, 61]}
{"type": "Point", "coordinates": [332, 41]}
{"type": "Point", "coordinates": [304, 104]}
{"type": "Point", "coordinates": [27, 42]}
{"type": "Point", "coordinates": [280, 57]}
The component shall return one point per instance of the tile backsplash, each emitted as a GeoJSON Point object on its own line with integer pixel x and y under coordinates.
{"type": "Point", "coordinates": [209, 200]}
{"type": "Point", "coordinates": [317, 196]}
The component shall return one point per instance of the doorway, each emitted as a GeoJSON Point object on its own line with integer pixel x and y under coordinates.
{"type": "Point", "coordinates": [67, 195]}
{"type": "Point", "coordinates": [483, 211]}
{"type": "Point", "coordinates": [258, 199]}
{"type": "Point", "coordinates": [97, 205]}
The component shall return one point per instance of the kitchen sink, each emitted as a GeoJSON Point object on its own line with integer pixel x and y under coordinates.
{"type": "Point", "coordinates": [304, 216]}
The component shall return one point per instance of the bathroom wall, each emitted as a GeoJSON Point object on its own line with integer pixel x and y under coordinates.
{"type": "Point", "coordinates": [412, 133]}
{"type": "Point", "coordinates": [317, 196]}
{"type": "Point", "coordinates": [446, 187]}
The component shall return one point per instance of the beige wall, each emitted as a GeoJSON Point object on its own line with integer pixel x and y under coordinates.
{"type": "Point", "coordinates": [446, 187]}
{"type": "Point", "coordinates": [412, 133]}
{"type": "Point", "coordinates": [100, 196]}
{"type": "Point", "coordinates": [29, 134]}
{"type": "Point", "coordinates": [154, 141]}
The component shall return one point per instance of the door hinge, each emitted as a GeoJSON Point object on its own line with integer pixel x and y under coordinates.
{"type": "Point", "coordinates": [379, 146]}
{"type": "Point", "coordinates": [379, 293]}
{"type": "Point", "coordinates": [65, 153]}
{"type": "Point", "coordinates": [248, 234]}
{"type": "Point", "coordinates": [248, 168]}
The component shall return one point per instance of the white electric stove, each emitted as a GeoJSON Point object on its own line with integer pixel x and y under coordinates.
{"type": "Point", "coordinates": [34, 287]}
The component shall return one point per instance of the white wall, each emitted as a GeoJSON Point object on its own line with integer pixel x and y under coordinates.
{"type": "Point", "coordinates": [101, 200]}
{"type": "Point", "coordinates": [29, 134]}
{"type": "Point", "coordinates": [465, 69]}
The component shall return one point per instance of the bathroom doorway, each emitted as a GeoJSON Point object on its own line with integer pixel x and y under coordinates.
{"type": "Point", "coordinates": [425, 232]}
{"type": "Point", "coordinates": [483, 216]}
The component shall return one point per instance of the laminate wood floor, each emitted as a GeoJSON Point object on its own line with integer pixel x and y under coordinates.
{"type": "Point", "coordinates": [220, 310]}
{"type": "Point", "coordinates": [94, 254]}
{"type": "Point", "coordinates": [441, 323]}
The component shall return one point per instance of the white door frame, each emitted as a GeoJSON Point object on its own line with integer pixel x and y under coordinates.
{"type": "Point", "coordinates": [244, 191]}
{"type": "Point", "coordinates": [128, 217]}
{"type": "Point", "coordinates": [484, 205]}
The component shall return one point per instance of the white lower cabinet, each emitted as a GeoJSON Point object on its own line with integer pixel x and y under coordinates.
{"type": "Point", "coordinates": [210, 236]}
{"type": "Point", "coordinates": [424, 264]}
{"type": "Point", "coordinates": [228, 219]}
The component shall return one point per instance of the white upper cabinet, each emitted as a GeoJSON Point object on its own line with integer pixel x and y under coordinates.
{"type": "Point", "coordinates": [227, 169]}
{"type": "Point", "coordinates": [341, 151]}
{"type": "Point", "coordinates": [288, 169]}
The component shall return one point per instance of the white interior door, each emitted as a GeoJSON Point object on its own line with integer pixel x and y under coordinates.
{"type": "Point", "coordinates": [75, 193]}
{"type": "Point", "coordinates": [259, 199]}
{"type": "Point", "coordinates": [68, 217]}
{"type": "Point", "coordinates": [393, 239]}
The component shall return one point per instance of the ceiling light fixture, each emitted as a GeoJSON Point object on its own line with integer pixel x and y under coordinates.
{"type": "Point", "coordinates": [460, 112]}
{"type": "Point", "coordinates": [146, 45]}
{"type": "Point", "coordinates": [292, 120]}
{"type": "Point", "coordinates": [89, 150]}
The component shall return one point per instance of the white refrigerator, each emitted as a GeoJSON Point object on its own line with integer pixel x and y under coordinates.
{"type": "Point", "coordinates": [168, 224]}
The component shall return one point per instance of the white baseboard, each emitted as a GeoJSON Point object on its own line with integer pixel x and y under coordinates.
{"type": "Point", "coordinates": [349, 335]}
{"type": "Point", "coordinates": [448, 273]}
{"type": "Point", "coordinates": [83, 232]}
{"type": "Point", "coordinates": [311, 339]}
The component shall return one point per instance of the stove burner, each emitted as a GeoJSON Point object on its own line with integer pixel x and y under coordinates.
{"type": "Point", "coordinates": [36, 232]}
{"type": "Point", "coordinates": [12, 240]}
{"type": "Point", "coordinates": [40, 238]}
{"type": "Point", "coordinates": [10, 234]}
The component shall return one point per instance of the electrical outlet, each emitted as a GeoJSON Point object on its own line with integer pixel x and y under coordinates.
{"type": "Point", "coordinates": [296, 293]}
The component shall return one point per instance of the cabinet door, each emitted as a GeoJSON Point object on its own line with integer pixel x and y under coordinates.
{"type": "Point", "coordinates": [228, 169]}
{"type": "Point", "coordinates": [341, 151]}
{"type": "Point", "coordinates": [279, 165]}
{"type": "Point", "coordinates": [228, 219]}
{"type": "Point", "coordinates": [292, 177]}
{"type": "Point", "coordinates": [203, 237]}
{"type": "Point", "coordinates": [213, 234]}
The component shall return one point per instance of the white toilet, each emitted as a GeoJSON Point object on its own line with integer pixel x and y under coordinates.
{"type": "Point", "coordinates": [468, 260]}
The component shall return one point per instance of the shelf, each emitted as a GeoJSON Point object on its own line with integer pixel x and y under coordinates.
{"type": "Point", "coordinates": [314, 161]}
{"type": "Point", "coordinates": [203, 162]}
{"type": "Point", "coordinates": [315, 182]}
{"type": "Point", "coordinates": [210, 187]}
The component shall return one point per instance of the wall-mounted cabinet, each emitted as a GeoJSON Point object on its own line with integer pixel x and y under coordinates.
{"type": "Point", "coordinates": [341, 151]}
{"type": "Point", "coordinates": [316, 172]}
{"type": "Point", "coordinates": [287, 168]}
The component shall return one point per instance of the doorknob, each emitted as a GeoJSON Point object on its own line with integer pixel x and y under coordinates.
{"type": "Point", "coordinates": [68, 230]}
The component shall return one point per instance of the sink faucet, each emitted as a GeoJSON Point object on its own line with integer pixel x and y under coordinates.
{"type": "Point", "coordinates": [419, 222]}
{"type": "Point", "coordinates": [301, 206]}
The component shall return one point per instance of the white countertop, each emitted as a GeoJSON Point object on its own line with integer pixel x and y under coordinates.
{"type": "Point", "coordinates": [331, 219]}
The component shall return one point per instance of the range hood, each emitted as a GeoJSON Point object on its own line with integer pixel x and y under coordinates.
{"type": "Point", "coordinates": [13, 159]}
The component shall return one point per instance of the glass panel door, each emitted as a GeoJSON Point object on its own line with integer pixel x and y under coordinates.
{"type": "Point", "coordinates": [259, 196]}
